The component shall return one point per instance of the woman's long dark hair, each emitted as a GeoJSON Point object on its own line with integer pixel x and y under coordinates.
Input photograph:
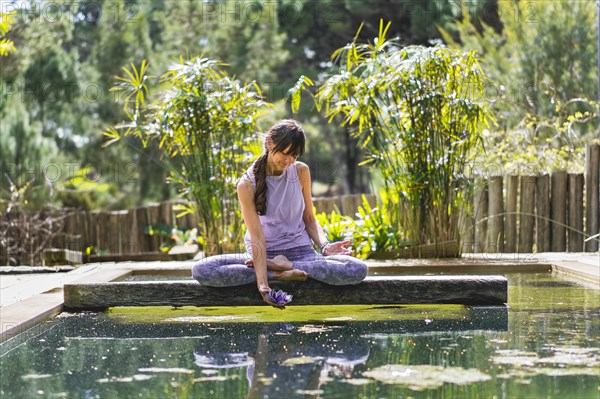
{"type": "Point", "coordinates": [285, 133]}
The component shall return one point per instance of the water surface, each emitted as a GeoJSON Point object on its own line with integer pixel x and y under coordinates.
{"type": "Point", "coordinates": [544, 344]}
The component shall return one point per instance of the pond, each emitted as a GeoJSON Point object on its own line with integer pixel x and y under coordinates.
{"type": "Point", "coordinates": [546, 343]}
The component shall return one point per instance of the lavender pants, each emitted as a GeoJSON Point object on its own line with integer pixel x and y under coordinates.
{"type": "Point", "coordinates": [230, 269]}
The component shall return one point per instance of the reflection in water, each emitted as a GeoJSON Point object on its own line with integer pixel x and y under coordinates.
{"type": "Point", "coordinates": [96, 355]}
{"type": "Point", "coordinates": [282, 363]}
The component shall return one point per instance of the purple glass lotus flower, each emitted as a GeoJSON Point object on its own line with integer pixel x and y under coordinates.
{"type": "Point", "coordinates": [279, 297]}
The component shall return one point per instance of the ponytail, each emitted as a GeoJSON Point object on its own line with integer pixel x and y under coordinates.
{"type": "Point", "coordinates": [260, 176]}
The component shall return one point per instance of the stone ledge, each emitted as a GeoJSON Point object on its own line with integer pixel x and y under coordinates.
{"type": "Point", "coordinates": [34, 269]}
{"type": "Point", "coordinates": [19, 317]}
{"type": "Point", "coordinates": [466, 290]}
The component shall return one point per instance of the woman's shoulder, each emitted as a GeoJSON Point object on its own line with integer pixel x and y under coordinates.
{"type": "Point", "coordinates": [246, 181]}
{"type": "Point", "coordinates": [301, 166]}
{"type": "Point", "coordinates": [248, 176]}
{"type": "Point", "coordinates": [302, 169]}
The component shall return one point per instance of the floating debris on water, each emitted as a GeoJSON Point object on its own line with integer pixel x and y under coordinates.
{"type": "Point", "coordinates": [166, 370]}
{"type": "Point", "coordinates": [422, 377]}
{"type": "Point", "coordinates": [35, 376]}
{"type": "Point", "coordinates": [301, 360]}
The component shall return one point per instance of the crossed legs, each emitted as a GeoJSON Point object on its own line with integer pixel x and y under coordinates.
{"type": "Point", "coordinates": [291, 264]}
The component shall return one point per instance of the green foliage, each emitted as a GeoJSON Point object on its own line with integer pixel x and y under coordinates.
{"type": "Point", "coordinates": [7, 46]}
{"type": "Point", "coordinates": [335, 226]}
{"type": "Point", "coordinates": [204, 120]}
{"type": "Point", "coordinates": [543, 54]}
{"type": "Point", "coordinates": [245, 34]}
{"type": "Point", "coordinates": [50, 75]}
{"type": "Point", "coordinates": [373, 232]}
{"type": "Point", "coordinates": [376, 230]}
{"type": "Point", "coordinates": [542, 66]}
{"type": "Point", "coordinates": [541, 145]}
{"type": "Point", "coordinates": [417, 114]}
{"type": "Point", "coordinates": [26, 156]}
{"type": "Point", "coordinates": [69, 52]}
{"type": "Point", "coordinates": [85, 190]}
{"type": "Point", "coordinates": [173, 235]}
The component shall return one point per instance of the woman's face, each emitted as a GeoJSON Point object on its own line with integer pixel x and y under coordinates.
{"type": "Point", "coordinates": [279, 161]}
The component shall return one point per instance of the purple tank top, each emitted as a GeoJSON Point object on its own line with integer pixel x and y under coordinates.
{"type": "Point", "coordinates": [282, 224]}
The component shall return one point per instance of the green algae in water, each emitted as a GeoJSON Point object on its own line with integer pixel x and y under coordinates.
{"type": "Point", "coordinates": [301, 314]}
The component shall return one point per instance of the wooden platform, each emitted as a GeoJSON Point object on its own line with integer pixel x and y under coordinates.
{"type": "Point", "coordinates": [466, 290]}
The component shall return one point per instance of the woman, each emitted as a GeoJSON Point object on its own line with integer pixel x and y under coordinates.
{"type": "Point", "coordinates": [276, 203]}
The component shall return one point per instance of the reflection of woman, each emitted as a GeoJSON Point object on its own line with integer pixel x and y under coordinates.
{"type": "Point", "coordinates": [283, 370]}
{"type": "Point", "coordinates": [275, 197]}
{"type": "Point", "coordinates": [280, 361]}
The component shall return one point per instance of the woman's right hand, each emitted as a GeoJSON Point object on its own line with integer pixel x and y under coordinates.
{"type": "Point", "coordinates": [264, 291]}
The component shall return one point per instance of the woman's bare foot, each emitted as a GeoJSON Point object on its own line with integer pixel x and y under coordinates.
{"type": "Point", "coordinates": [279, 263]}
{"type": "Point", "coordinates": [290, 275]}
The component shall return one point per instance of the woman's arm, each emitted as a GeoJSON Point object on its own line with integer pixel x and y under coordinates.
{"type": "Point", "coordinates": [245, 193]}
{"type": "Point", "coordinates": [313, 228]}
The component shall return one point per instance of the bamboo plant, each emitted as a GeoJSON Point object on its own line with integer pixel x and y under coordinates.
{"type": "Point", "coordinates": [418, 115]}
{"type": "Point", "coordinates": [203, 119]}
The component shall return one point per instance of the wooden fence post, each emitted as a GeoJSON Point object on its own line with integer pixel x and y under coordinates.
{"type": "Point", "coordinates": [542, 210]}
{"type": "Point", "coordinates": [480, 205]}
{"type": "Point", "coordinates": [154, 218]}
{"type": "Point", "coordinates": [144, 240]}
{"type": "Point", "coordinates": [467, 225]}
{"type": "Point", "coordinates": [59, 239]}
{"type": "Point", "coordinates": [558, 211]}
{"type": "Point", "coordinates": [104, 232]}
{"type": "Point", "coordinates": [84, 228]}
{"type": "Point", "coordinates": [510, 231]}
{"type": "Point", "coordinates": [180, 222]}
{"type": "Point", "coordinates": [166, 213]}
{"type": "Point", "coordinates": [124, 231]}
{"type": "Point", "coordinates": [495, 241]}
{"type": "Point", "coordinates": [526, 212]}
{"type": "Point", "coordinates": [592, 194]}
{"type": "Point", "coordinates": [115, 244]}
{"type": "Point", "coordinates": [92, 238]}
{"type": "Point", "coordinates": [71, 230]}
{"type": "Point", "coordinates": [350, 204]}
{"type": "Point", "coordinates": [131, 244]}
{"type": "Point", "coordinates": [575, 219]}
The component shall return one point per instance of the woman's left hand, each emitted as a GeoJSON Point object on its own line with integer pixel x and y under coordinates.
{"type": "Point", "coordinates": [337, 248]}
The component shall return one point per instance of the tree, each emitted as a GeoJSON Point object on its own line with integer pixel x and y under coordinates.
{"type": "Point", "coordinates": [50, 82]}
{"type": "Point", "coordinates": [245, 35]}
{"type": "Point", "coordinates": [542, 70]}
{"type": "Point", "coordinates": [26, 156]}
{"type": "Point", "coordinates": [544, 51]}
